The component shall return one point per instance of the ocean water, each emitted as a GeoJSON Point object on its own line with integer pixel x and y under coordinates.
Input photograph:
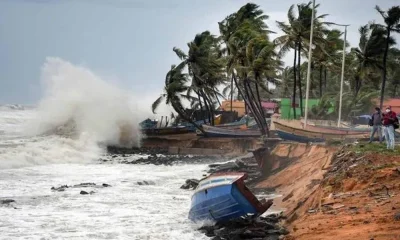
{"type": "Point", "coordinates": [59, 141]}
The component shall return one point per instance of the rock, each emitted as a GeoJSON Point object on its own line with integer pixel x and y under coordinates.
{"type": "Point", "coordinates": [85, 185]}
{"type": "Point", "coordinates": [253, 233]}
{"type": "Point", "coordinates": [190, 184]}
{"type": "Point", "coordinates": [397, 216]}
{"type": "Point", "coordinates": [149, 183]}
{"type": "Point", "coordinates": [59, 189]}
{"type": "Point", "coordinates": [7, 201]}
{"type": "Point", "coordinates": [84, 193]}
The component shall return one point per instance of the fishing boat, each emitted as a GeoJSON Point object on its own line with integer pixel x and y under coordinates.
{"type": "Point", "coordinates": [338, 130]}
{"type": "Point", "coordinates": [305, 135]}
{"type": "Point", "coordinates": [228, 132]}
{"type": "Point", "coordinates": [224, 196]}
{"type": "Point", "coordinates": [242, 122]}
{"type": "Point", "coordinates": [165, 130]}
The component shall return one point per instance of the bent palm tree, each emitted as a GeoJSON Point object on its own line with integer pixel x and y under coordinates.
{"type": "Point", "coordinates": [392, 24]}
{"type": "Point", "coordinates": [174, 92]}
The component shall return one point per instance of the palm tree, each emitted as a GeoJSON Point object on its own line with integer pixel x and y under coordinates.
{"type": "Point", "coordinates": [206, 69]}
{"type": "Point", "coordinates": [368, 55]}
{"type": "Point", "coordinates": [244, 34]}
{"type": "Point", "coordinates": [326, 56]}
{"type": "Point", "coordinates": [296, 37]}
{"type": "Point", "coordinates": [392, 24]}
{"type": "Point", "coordinates": [175, 90]}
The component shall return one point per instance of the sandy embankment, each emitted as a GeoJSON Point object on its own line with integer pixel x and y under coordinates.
{"type": "Point", "coordinates": [331, 193]}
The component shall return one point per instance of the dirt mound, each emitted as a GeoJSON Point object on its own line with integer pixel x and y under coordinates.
{"type": "Point", "coordinates": [358, 198]}
{"type": "Point", "coordinates": [306, 165]}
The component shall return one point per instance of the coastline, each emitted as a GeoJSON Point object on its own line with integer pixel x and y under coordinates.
{"type": "Point", "coordinates": [303, 183]}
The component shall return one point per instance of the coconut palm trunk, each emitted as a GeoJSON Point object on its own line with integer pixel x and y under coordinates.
{"type": "Point", "coordinates": [384, 68]}
{"type": "Point", "coordinates": [294, 82]}
{"type": "Point", "coordinates": [299, 78]}
{"type": "Point", "coordinates": [320, 81]}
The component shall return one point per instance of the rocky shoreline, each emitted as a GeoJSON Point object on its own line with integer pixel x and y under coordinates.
{"type": "Point", "coordinates": [267, 227]}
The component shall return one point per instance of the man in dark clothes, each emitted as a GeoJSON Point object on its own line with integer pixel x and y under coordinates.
{"type": "Point", "coordinates": [376, 124]}
{"type": "Point", "coordinates": [389, 118]}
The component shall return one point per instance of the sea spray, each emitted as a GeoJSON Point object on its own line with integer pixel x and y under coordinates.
{"type": "Point", "coordinates": [78, 115]}
{"type": "Point", "coordinates": [75, 95]}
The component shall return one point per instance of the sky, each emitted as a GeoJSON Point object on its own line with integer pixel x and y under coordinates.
{"type": "Point", "coordinates": [129, 42]}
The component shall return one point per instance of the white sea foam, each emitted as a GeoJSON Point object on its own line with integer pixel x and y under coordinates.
{"type": "Point", "coordinates": [79, 112]}
{"type": "Point", "coordinates": [75, 95]}
{"type": "Point", "coordinates": [56, 143]}
{"type": "Point", "coordinates": [125, 210]}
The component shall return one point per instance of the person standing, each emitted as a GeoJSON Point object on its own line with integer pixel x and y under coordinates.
{"type": "Point", "coordinates": [389, 119]}
{"type": "Point", "coordinates": [376, 124]}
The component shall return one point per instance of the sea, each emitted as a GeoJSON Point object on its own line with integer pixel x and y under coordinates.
{"type": "Point", "coordinates": [59, 141]}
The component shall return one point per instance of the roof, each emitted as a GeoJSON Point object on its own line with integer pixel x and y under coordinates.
{"type": "Point", "coordinates": [235, 104]}
{"type": "Point", "coordinates": [393, 102]}
{"type": "Point", "coordinates": [269, 105]}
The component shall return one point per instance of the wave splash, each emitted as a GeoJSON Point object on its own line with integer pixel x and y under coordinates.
{"type": "Point", "coordinates": [77, 99]}
{"type": "Point", "coordinates": [78, 115]}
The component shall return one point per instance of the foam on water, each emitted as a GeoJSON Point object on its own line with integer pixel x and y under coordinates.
{"type": "Point", "coordinates": [78, 111]}
{"type": "Point", "coordinates": [58, 143]}
{"type": "Point", "coordinates": [125, 210]}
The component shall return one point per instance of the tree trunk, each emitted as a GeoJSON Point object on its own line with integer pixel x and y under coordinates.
{"type": "Point", "coordinates": [240, 92]}
{"type": "Point", "coordinates": [257, 106]}
{"type": "Point", "coordinates": [201, 106]}
{"type": "Point", "coordinates": [394, 90]}
{"type": "Point", "coordinates": [253, 107]}
{"type": "Point", "coordinates": [179, 109]}
{"type": "Point", "coordinates": [325, 79]}
{"type": "Point", "coordinates": [294, 83]}
{"type": "Point", "coordinates": [216, 97]}
{"type": "Point", "coordinates": [262, 109]}
{"type": "Point", "coordinates": [207, 107]}
{"type": "Point", "coordinates": [232, 93]}
{"type": "Point", "coordinates": [210, 105]}
{"type": "Point", "coordinates": [320, 81]}
{"type": "Point", "coordinates": [299, 79]}
{"type": "Point", "coordinates": [384, 68]}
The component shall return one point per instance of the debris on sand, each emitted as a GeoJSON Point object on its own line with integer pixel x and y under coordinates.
{"type": "Point", "coordinates": [247, 228]}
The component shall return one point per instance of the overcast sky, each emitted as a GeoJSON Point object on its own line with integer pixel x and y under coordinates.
{"type": "Point", "coordinates": [128, 40]}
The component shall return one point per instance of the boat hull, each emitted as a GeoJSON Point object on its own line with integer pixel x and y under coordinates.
{"type": "Point", "coordinates": [334, 130]}
{"type": "Point", "coordinates": [306, 135]}
{"type": "Point", "coordinates": [231, 133]}
{"type": "Point", "coordinates": [165, 131]}
{"type": "Point", "coordinates": [224, 197]}
{"type": "Point", "coordinates": [297, 138]}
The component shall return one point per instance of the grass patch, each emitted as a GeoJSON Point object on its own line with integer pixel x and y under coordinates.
{"type": "Point", "coordinates": [375, 148]}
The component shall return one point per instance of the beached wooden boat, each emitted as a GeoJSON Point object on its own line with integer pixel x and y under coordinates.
{"type": "Point", "coordinates": [229, 132]}
{"type": "Point", "coordinates": [165, 130]}
{"type": "Point", "coordinates": [329, 129]}
{"type": "Point", "coordinates": [305, 135]}
{"type": "Point", "coordinates": [224, 196]}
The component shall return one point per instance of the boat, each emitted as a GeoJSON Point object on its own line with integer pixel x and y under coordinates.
{"type": "Point", "coordinates": [338, 130]}
{"type": "Point", "coordinates": [224, 196]}
{"type": "Point", "coordinates": [305, 135]}
{"type": "Point", "coordinates": [243, 121]}
{"type": "Point", "coordinates": [165, 130]}
{"type": "Point", "coordinates": [227, 132]}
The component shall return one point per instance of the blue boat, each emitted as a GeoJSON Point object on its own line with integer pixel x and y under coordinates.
{"type": "Point", "coordinates": [296, 138]}
{"type": "Point", "coordinates": [224, 196]}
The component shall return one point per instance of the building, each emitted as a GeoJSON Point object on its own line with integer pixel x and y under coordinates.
{"type": "Point", "coordinates": [239, 107]}
{"type": "Point", "coordinates": [286, 107]}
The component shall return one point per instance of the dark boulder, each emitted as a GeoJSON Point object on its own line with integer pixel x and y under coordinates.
{"type": "Point", "coordinates": [190, 184]}
{"type": "Point", "coordinates": [7, 201]}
